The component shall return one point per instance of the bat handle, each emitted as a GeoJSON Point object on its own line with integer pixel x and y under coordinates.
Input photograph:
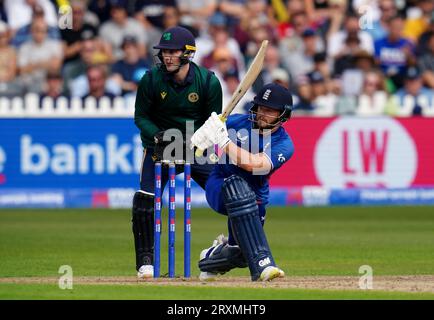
{"type": "Point", "coordinates": [198, 152]}
{"type": "Point", "coordinates": [213, 157]}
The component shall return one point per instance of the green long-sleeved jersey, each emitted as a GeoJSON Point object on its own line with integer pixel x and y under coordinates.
{"type": "Point", "coordinates": [160, 106]}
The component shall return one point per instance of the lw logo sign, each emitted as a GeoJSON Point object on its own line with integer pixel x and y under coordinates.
{"type": "Point", "coordinates": [365, 153]}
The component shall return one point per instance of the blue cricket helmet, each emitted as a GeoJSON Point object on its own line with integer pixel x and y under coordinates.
{"type": "Point", "coordinates": [276, 97]}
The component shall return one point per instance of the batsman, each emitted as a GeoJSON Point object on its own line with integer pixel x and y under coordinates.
{"type": "Point", "coordinates": [255, 146]}
{"type": "Point", "coordinates": [176, 91]}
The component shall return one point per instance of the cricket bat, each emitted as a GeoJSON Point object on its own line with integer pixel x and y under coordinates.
{"type": "Point", "coordinates": [250, 77]}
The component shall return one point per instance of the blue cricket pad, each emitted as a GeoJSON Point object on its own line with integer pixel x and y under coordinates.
{"type": "Point", "coordinates": [243, 213]}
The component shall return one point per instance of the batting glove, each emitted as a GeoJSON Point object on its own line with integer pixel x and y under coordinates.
{"type": "Point", "coordinates": [201, 139]}
{"type": "Point", "coordinates": [218, 134]}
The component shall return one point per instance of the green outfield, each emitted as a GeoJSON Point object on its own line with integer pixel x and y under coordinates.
{"type": "Point", "coordinates": [320, 249]}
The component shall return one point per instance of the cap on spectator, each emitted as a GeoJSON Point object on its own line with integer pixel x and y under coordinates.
{"type": "Point", "coordinates": [129, 40]}
{"type": "Point", "coordinates": [279, 74]}
{"type": "Point", "coordinates": [119, 3]}
{"type": "Point", "coordinates": [88, 34]}
{"type": "Point", "coordinates": [412, 73]}
{"type": "Point", "coordinates": [315, 77]}
{"type": "Point", "coordinates": [3, 27]}
{"type": "Point", "coordinates": [309, 32]}
{"type": "Point", "coordinates": [218, 20]}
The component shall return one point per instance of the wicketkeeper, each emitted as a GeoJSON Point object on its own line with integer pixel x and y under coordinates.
{"type": "Point", "coordinates": [169, 95]}
{"type": "Point", "coordinates": [256, 146]}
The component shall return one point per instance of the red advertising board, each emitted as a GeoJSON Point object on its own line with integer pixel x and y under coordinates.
{"type": "Point", "coordinates": [350, 152]}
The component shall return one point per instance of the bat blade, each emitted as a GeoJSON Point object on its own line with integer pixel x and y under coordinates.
{"type": "Point", "coordinates": [250, 77]}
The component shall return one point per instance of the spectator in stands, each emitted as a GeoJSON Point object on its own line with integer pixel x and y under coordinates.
{"type": "Point", "coordinates": [8, 62]}
{"type": "Point", "coordinates": [281, 77]}
{"type": "Point", "coordinates": [426, 63]}
{"type": "Point", "coordinates": [53, 87]}
{"type": "Point", "coordinates": [344, 59]}
{"type": "Point", "coordinates": [413, 86]}
{"type": "Point", "coordinates": [195, 14]}
{"type": "Point", "coordinates": [3, 16]}
{"type": "Point", "coordinates": [373, 84]}
{"type": "Point", "coordinates": [340, 42]}
{"type": "Point", "coordinates": [293, 39]}
{"type": "Point", "coordinates": [318, 84]}
{"type": "Point", "coordinates": [119, 26]}
{"type": "Point", "coordinates": [379, 28]}
{"type": "Point", "coordinates": [299, 63]}
{"type": "Point", "coordinates": [233, 9]}
{"type": "Point", "coordinates": [418, 19]}
{"type": "Point", "coordinates": [101, 8]}
{"type": "Point", "coordinates": [218, 36]}
{"type": "Point", "coordinates": [304, 97]}
{"type": "Point", "coordinates": [293, 22]}
{"type": "Point", "coordinates": [72, 38]}
{"type": "Point", "coordinates": [271, 62]}
{"type": "Point", "coordinates": [423, 41]}
{"type": "Point", "coordinates": [321, 64]}
{"type": "Point", "coordinates": [229, 85]}
{"type": "Point", "coordinates": [364, 61]}
{"type": "Point", "coordinates": [253, 27]}
{"type": "Point", "coordinates": [220, 61]}
{"type": "Point", "coordinates": [38, 56]}
{"type": "Point", "coordinates": [345, 66]}
{"type": "Point", "coordinates": [97, 77]}
{"type": "Point", "coordinates": [394, 52]}
{"type": "Point", "coordinates": [24, 33]}
{"type": "Point", "coordinates": [74, 73]}
{"type": "Point", "coordinates": [20, 12]}
{"type": "Point", "coordinates": [128, 71]}
{"type": "Point", "coordinates": [172, 18]}
{"type": "Point", "coordinates": [151, 12]}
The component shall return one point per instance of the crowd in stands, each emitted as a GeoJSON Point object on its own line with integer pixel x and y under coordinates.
{"type": "Point", "coordinates": [367, 57]}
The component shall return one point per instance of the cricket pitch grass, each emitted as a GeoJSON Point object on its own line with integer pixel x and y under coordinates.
{"type": "Point", "coordinates": [322, 251]}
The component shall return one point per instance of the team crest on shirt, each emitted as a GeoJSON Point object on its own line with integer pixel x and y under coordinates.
{"type": "Point", "coordinates": [193, 97]}
{"type": "Point", "coordinates": [163, 94]}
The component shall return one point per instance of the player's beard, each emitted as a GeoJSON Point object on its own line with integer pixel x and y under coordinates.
{"type": "Point", "coordinates": [261, 124]}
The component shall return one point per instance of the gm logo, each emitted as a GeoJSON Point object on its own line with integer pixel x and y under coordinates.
{"type": "Point", "coordinates": [264, 262]}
